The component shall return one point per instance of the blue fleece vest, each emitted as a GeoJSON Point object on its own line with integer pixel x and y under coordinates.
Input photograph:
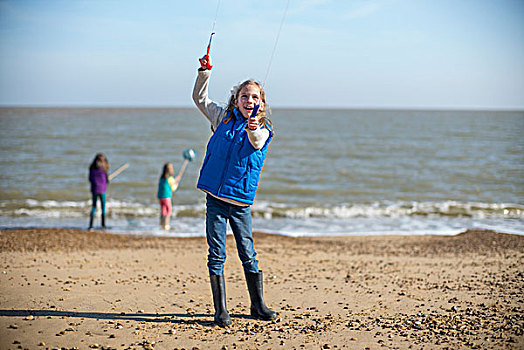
{"type": "Point", "coordinates": [232, 166]}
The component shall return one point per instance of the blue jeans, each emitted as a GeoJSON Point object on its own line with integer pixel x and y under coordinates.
{"type": "Point", "coordinates": [102, 197]}
{"type": "Point", "coordinates": [217, 215]}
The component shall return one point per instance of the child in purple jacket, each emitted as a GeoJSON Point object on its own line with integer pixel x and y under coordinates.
{"type": "Point", "coordinates": [99, 180]}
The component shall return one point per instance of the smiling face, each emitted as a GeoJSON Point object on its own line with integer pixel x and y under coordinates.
{"type": "Point", "coordinates": [247, 98]}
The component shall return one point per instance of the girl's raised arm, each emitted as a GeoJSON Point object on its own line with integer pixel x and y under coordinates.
{"type": "Point", "coordinates": [212, 110]}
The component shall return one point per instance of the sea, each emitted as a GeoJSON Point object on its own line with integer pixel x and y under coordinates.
{"type": "Point", "coordinates": [329, 172]}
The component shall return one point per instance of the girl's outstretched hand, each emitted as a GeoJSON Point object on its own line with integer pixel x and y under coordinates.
{"type": "Point", "coordinates": [205, 62]}
{"type": "Point", "coordinates": [252, 123]}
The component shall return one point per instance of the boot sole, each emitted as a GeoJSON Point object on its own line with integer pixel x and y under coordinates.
{"type": "Point", "coordinates": [265, 318]}
{"type": "Point", "coordinates": [223, 324]}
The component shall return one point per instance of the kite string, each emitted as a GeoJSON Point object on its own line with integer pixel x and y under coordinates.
{"type": "Point", "coordinates": [276, 42]}
{"type": "Point", "coordinates": [216, 16]}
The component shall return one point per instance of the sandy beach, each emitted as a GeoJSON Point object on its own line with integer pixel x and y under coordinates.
{"type": "Point", "coordinates": [76, 289]}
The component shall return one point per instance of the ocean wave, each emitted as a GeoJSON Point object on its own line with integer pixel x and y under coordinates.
{"type": "Point", "coordinates": [268, 211]}
{"type": "Point", "coordinates": [395, 210]}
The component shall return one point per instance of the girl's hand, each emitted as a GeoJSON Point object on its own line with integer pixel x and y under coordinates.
{"type": "Point", "coordinates": [205, 62]}
{"type": "Point", "coordinates": [252, 123]}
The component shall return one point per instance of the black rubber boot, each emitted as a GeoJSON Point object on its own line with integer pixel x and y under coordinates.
{"type": "Point", "coordinates": [91, 217]}
{"type": "Point", "coordinates": [103, 221]}
{"type": "Point", "coordinates": [258, 306]}
{"type": "Point", "coordinates": [218, 287]}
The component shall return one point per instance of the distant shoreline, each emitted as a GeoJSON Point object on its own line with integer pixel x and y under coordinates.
{"type": "Point", "coordinates": [282, 108]}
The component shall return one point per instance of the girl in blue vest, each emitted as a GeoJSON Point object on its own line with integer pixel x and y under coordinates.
{"type": "Point", "coordinates": [229, 176]}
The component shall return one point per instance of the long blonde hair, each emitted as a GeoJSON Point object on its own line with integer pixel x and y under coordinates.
{"type": "Point", "coordinates": [235, 91]}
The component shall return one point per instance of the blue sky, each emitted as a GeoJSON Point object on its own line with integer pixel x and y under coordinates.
{"type": "Point", "coordinates": [456, 54]}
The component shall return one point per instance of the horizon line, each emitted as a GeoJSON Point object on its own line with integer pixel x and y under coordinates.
{"type": "Point", "coordinates": [356, 108]}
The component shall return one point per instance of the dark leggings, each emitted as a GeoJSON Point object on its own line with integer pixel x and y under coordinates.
{"type": "Point", "coordinates": [102, 197]}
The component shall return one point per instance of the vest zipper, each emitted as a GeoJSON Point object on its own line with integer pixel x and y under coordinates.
{"type": "Point", "coordinates": [226, 169]}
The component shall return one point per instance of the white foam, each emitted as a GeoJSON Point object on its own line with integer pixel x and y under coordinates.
{"type": "Point", "coordinates": [344, 219]}
{"type": "Point", "coordinates": [396, 210]}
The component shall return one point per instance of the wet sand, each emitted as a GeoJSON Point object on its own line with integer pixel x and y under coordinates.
{"type": "Point", "coordinates": [76, 289]}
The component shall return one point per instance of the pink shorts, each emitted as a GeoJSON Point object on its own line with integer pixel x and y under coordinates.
{"type": "Point", "coordinates": [165, 206]}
